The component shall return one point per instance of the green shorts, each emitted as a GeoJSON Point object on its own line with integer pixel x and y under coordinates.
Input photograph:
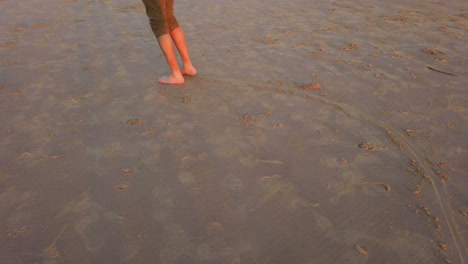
{"type": "Point", "coordinates": [161, 16]}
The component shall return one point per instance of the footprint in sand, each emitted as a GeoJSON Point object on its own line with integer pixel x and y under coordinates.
{"type": "Point", "coordinates": [376, 188]}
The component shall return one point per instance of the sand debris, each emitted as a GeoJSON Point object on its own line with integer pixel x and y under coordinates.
{"type": "Point", "coordinates": [135, 122]}
{"type": "Point", "coordinates": [313, 86]}
{"type": "Point", "coordinates": [409, 132]}
{"type": "Point", "coordinates": [464, 212]}
{"type": "Point", "coordinates": [443, 246]}
{"type": "Point", "coordinates": [350, 47]}
{"type": "Point", "coordinates": [121, 187]}
{"type": "Point", "coordinates": [425, 210]}
{"type": "Point", "coordinates": [368, 146]}
{"type": "Point", "coordinates": [361, 249]}
{"type": "Point", "coordinates": [250, 119]}
{"type": "Point", "coordinates": [308, 86]}
{"type": "Point", "coordinates": [184, 100]}
{"type": "Point", "coordinates": [432, 51]}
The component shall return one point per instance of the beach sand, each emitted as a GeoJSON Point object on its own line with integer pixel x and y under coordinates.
{"type": "Point", "coordinates": [315, 132]}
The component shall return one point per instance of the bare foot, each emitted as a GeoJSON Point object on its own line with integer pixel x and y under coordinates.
{"type": "Point", "coordinates": [171, 79]}
{"type": "Point", "coordinates": [188, 70]}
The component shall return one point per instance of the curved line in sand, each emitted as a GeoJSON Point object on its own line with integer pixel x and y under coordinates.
{"type": "Point", "coordinates": [438, 185]}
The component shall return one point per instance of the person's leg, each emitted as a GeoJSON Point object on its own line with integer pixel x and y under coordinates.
{"type": "Point", "coordinates": [167, 48]}
{"type": "Point", "coordinates": [156, 11]}
{"type": "Point", "coordinates": [178, 37]}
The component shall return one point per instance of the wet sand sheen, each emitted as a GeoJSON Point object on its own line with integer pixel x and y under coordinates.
{"type": "Point", "coordinates": [321, 133]}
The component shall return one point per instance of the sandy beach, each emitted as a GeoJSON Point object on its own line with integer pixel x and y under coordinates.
{"type": "Point", "coordinates": [315, 132]}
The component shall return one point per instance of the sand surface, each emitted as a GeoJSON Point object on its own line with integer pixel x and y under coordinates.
{"type": "Point", "coordinates": [315, 132]}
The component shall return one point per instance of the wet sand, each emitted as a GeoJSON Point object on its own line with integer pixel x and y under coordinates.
{"type": "Point", "coordinates": [315, 132]}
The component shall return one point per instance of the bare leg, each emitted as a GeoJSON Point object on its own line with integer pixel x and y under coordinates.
{"type": "Point", "coordinates": [178, 37]}
{"type": "Point", "coordinates": [167, 48]}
